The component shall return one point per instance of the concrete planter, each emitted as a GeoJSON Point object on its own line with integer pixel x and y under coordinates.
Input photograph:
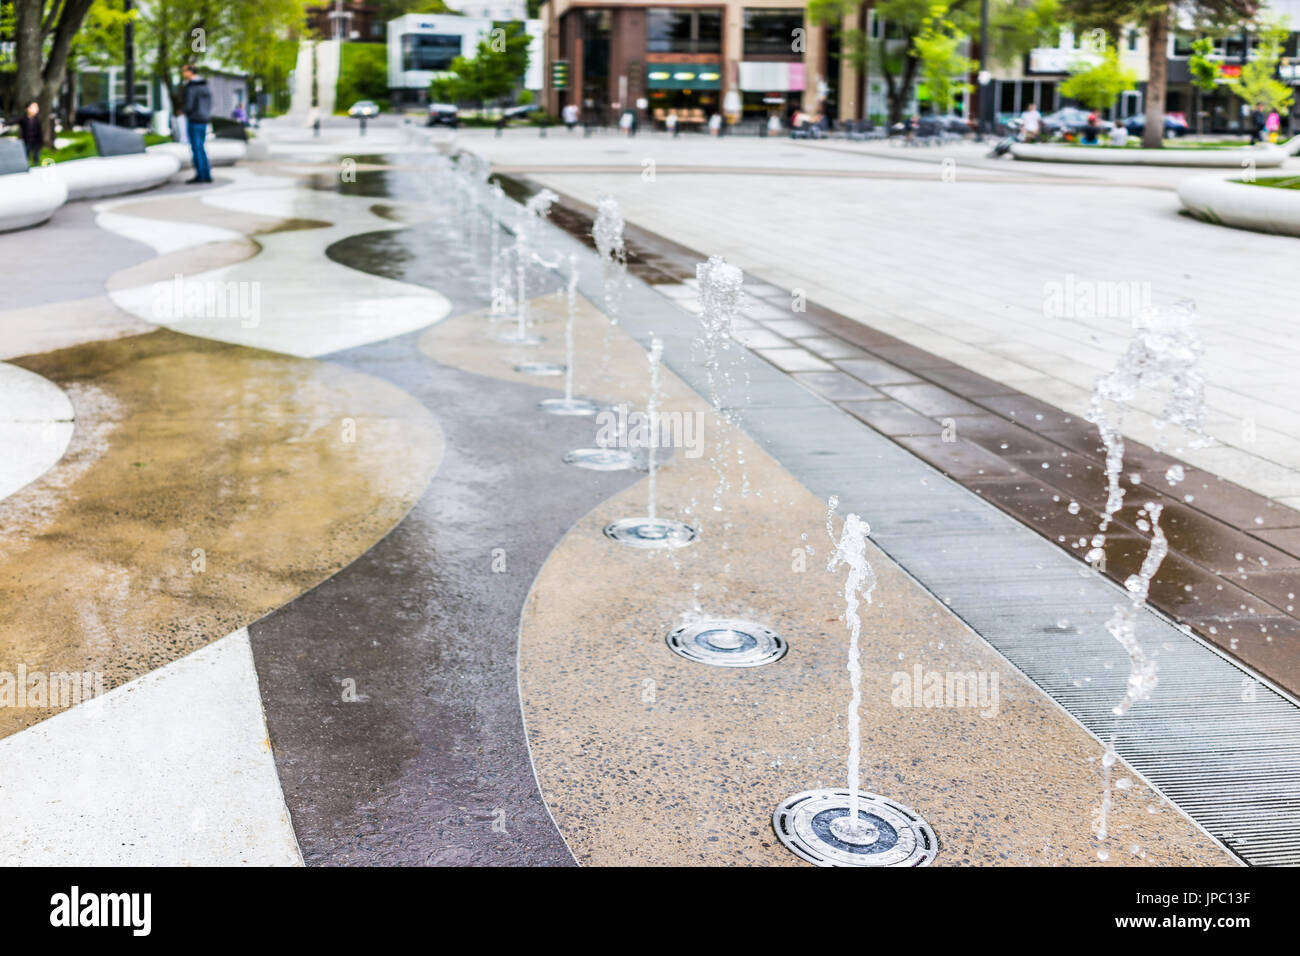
{"type": "Point", "coordinates": [28, 199]}
{"type": "Point", "coordinates": [1230, 203]}
{"type": "Point", "coordinates": [1263, 157]}
{"type": "Point", "coordinates": [100, 176]}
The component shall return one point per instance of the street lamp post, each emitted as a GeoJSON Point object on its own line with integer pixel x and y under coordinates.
{"type": "Point", "coordinates": [128, 63]}
{"type": "Point", "coordinates": [985, 81]}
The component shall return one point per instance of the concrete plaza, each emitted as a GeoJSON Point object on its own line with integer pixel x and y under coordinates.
{"type": "Point", "coordinates": [350, 603]}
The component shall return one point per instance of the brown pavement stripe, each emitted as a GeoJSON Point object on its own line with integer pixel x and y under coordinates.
{"type": "Point", "coordinates": [1221, 521]}
{"type": "Point", "coordinates": [205, 485]}
{"type": "Point", "coordinates": [191, 260]}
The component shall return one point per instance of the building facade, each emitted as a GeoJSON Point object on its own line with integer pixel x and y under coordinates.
{"type": "Point", "coordinates": [749, 58]}
{"type": "Point", "coordinates": [742, 59]}
{"type": "Point", "coordinates": [422, 46]}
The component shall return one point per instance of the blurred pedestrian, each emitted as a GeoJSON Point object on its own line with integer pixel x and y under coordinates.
{"type": "Point", "coordinates": [1256, 123]}
{"type": "Point", "coordinates": [1272, 125]}
{"type": "Point", "coordinates": [197, 106]}
{"type": "Point", "coordinates": [570, 116]}
{"type": "Point", "coordinates": [1091, 130]}
{"type": "Point", "coordinates": [670, 121]}
{"type": "Point", "coordinates": [1031, 123]}
{"type": "Point", "coordinates": [33, 136]}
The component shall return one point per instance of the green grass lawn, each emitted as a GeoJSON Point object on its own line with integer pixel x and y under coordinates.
{"type": "Point", "coordinates": [1277, 182]}
{"type": "Point", "coordinates": [81, 144]}
{"type": "Point", "coordinates": [1136, 143]}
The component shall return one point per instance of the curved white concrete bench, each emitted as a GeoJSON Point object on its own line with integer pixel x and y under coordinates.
{"type": "Point", "coordinates": [27, 199]}
{"type": "Point", "coordinates": [1262, 208]}
{"type": "Point", "coordinates": [99, 176]}
{"type": "Point", "coordinates": [221, 152]}
{"type": "Point", "coordinates": [1263, 157]}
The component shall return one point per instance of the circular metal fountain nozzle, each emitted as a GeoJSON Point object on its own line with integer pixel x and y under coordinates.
{"type": "Point", "coordinates": [601, 459]}
{"type": "Point", "coordinates": [651, 532]}
{"type": "Point", "coordinates": [540, 368]}
{"type": "Point", "coordinates": [727, 643]}
{"type": "Point", "coordinates": [570, 406]}
{"type": "Point", "coordinates": [815, 826]}
{"type": "Point", "coordinates": [514, 337]}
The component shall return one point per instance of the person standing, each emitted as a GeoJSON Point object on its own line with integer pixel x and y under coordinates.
{"type": "Point", "coordinates": [570, 116]}
{"type": "Point", "coordinates": [1273, 125]}
{"type": "Point", "coordinates": [670, 122]}
{"type": "Point", "coordinates": [29, 125]}
{"type": "Point", "coordinates": [197, 107]}
{"type": "Point", "coordinates": [1256, 123]}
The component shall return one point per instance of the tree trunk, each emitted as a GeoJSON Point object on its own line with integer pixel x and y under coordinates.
{"type": "Point", "coordinates": [37, 80]}
{"type": "Point", "coordinates": [1157, 79]}
{"type": "Point", "coordinates": [27, 38]}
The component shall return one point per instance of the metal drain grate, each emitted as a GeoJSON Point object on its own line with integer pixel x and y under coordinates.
{"type": "Point", "coordinates": [727, 643]}
{"type": "Point", "coordinates": [651, 533]}
{"type": "Point", "coordinates": [814, 825]}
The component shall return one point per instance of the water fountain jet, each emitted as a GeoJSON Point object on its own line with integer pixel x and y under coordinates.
{"type": "Point", "coordinates": [652, 531]}
{"type": "Point", "coordinates": [850, 827]}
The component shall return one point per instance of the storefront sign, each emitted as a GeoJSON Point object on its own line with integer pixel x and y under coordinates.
{"type": "Point", "coordinates": [763, 77]}
{"type": "Point", "coordinates": [1055, 60]}
{"type": "Point", "coordinates": [683, 76]}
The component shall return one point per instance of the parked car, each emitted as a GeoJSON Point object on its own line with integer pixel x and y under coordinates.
{"type": "Point", "coordinates": [1072, 119]}
{"type": "Point", "coordinates": [363, 108]}
{"type": "Point", "coordinates": [1175, 125]}
{"type": "Point", "coordinates": [519, 112]}
{"type": "Point", "coordinates": [121, 114]}
{"type": "Point", "coordinates": [952, 123]}
{"type": "Point", "coordinates": [443, 114]}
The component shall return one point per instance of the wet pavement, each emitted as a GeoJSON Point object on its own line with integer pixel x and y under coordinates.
{"type": "Point", "coordinates": [369, 528]}
{"type": "Point", "coordinates": [1234, 564]}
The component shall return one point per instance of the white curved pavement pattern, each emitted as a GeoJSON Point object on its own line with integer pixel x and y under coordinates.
{"type": "Point", "coordinates": [36, 423]}
{"type": "Point", "coordinates": [959, 255]}
{"type": "Point", "coordinates": [290, 298]}
{"type": "Point", "coordinates": [175, 765]}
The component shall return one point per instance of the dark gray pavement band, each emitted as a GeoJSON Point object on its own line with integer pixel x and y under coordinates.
{"type": "Point", "coordinates": [430, 765]}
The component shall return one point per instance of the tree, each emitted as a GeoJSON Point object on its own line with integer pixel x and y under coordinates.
{"type": "Point", "coordinates": [1257, 83]}
{"type": "Point", "coordinates": [1097, 86]}
{"type": "Point", "coordinates": [1018, 26]}
{"type": "Point", "coordinates": [1154, 16]}
{"type": "Point", "coordinates": [43, 34]}
{"type": "Point", "coordinates": [1204, 72]}
{"type": "Point", "coordinates": [943, 64]}
{"type": "Point", "coordinates": [238, 33]}
{"type": "Point", "coordinates": [496, 68]}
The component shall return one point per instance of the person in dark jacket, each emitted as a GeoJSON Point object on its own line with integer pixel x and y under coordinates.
{"type": "Point", "coordinates": [29, 125]}
{"type": "Point", "coordinates": [197, 107]}
{"type": "Point", "coordinates": [1257, 124]}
